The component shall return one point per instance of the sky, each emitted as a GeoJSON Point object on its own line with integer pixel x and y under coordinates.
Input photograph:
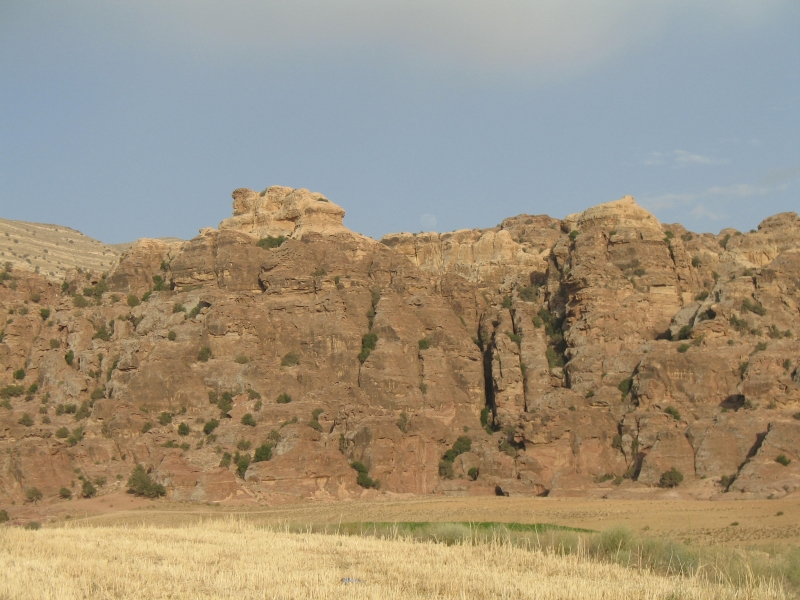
{"type": "Point", "coordinates": [138, 118]}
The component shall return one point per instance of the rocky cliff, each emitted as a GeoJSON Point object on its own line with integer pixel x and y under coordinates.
{"type": "Point", "coordinates": [263, 359]}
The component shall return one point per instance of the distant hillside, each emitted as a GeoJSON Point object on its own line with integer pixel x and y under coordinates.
{"type": "Point", "coordinates": [52, 249]}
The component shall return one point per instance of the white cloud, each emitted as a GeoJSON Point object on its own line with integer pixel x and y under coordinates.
{"type": "Point", "coordinates": [680, 158]}
{"type": "Point", "coordinates": [547, 35]}
{"type": "Point", "coordinates": [687, 158]}
{"type": "Point", "coordinates": [778, 176]}
{"type": "Point", "coordinates": [702, 212]}
{"type": "Point", "coordinates": [714, 194]}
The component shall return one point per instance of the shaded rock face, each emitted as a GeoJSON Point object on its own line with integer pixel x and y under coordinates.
{"type": "Point", "coordinates": [602, 349]}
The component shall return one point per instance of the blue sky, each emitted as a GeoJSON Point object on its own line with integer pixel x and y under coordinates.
{"type": "Point", "coordinates": [137, 118]}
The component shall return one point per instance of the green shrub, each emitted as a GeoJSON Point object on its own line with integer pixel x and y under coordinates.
{"type": "Point", "coordinates": [781, 459]}
{"type": "Point", "coordinates": [226, 460]}
{"type": "Point", "coordinates": [75, 437]}
{"type": "Point", "coordinates": [290, 359]}
{"type": "Point", "coordinates": [696, 261]}
{"type": "Point", "coordinates": [194, 312]}
{"type": "Point", "coordinates": [726, 481]}
{"type": "Point", "coordinates": [204, 354]}
{"type": "Point", "coordinates": [740, 325]}
{"type": "Point", "coordinates": [528, 293]}
{"type": "Point", "coordinates": [753, 307]}
{"type": "Point", "coordinates": [671, 478]}
{"type": "Point", "coordinates": [284, 398]}
{"type": "Point", "coordinates": [183, 429]}
{"type": "Point", "coordinates": [463, 444]}
{"type": "Point", "coordinates": [625, 386]}
{"type": "Point", "coordinates": [54, 343]}
{"type": "Point", "coordinates": [673, 412]}
{"type": "Point", "coordinates": [668, 235]}
{"type": "Point", "coordinates": [243, 444]}
{"type": "Point", "coordinates": [103, 333]}
{"type": "Point", "coordinates": [210, 426]}
{"type": "Point", "coordinates": [165, 418]}
{"type": "Point", "coordinates": [62, 433]}
{"type": "Point", "coordinates": [368, 342]}
{"type": "Point", "coordinates": [424, 343]}
{"type": "Point", "coordinates": [319, 272]}
{"type": "Point", "coordinates": [98, 393]}
{"type": "Point", "coordinates": [514, 337]}
{"type": "Point", "coordinates": [683, 348]}
{"type": "Point", "coordinates": [446, 469]}
{"type": "Point", "coordinates": [172, 336]}
{"type": "Point", "coordinates": [141, 484]}
{"type": "Point", "coordinates": [363, 479]}
{"type": "Point", "coordinates": [639, 272]}
{"type": "Point", "coordinates": [147, 426]}
{"type": "Point", "coordinates": [701, 296]}
{"type": "Point", "coordinates": [263, 453]}
{"type": "Point", "coordinates": [133, 300]}
{"type": "Point", "coordinates": [87, 489]}
{"type": "Point", "coordinates": [473, 473]}
{"type": "Point", "coordinates": [19, 374]}
{"type": "Point", "coordinates": [44, 313]}
{"type": "Point", "coordinates": [242, 462]}
{"type": "Point", "coordinates": [270, 242]}
{"type": "Point", "coordinates": [743, 369]}
{"type": "Point", "coordinates": [760, 347]}
{"type": "Point", "coordinates": [33, 494]}
{"type": "Point", "coordinates": [248, 420]}
{"type": "Point", "coordinates": [69, 357]}
{"type": "Point", "coordinates": [25, 420]}
{"type": "Point", "coordinates": [573, 235]}
{"type": "Point", "coordinates": [12, 391]}
{"type": "Point", "coordinates": [159, 284]}
{"type": "Point", "coordinates": [402, 422]}
{"type": "Point", "coordinates": [79, 301]}
{"type": "Point", "coordinates": [146, 296]}
{"type": "Point", "coordinates": [242, 359]}
{"type": "Point", "coordinates": [65, 493]}
{"type": "Point", "coordinates": [485, 412]}
{"type": "Point", "coordinates": [32, 525]}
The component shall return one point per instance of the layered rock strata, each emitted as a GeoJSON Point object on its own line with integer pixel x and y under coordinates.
{"type": "Point", "coordinates": [589, 355]}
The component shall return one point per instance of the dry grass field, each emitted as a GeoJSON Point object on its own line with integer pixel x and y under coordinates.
{"type": "Point", "coordinates": [758, 522]}
{"type": "Point", "coordinates": [233, 558]}
{"type": "Point", "coordinates": [119, 546]}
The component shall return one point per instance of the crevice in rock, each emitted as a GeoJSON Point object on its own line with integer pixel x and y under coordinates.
{"type": "Point", "coordinates": [486, 347]}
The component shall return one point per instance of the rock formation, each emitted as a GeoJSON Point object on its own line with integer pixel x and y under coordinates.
{"type": "Point", "coordinates": [263, 359]}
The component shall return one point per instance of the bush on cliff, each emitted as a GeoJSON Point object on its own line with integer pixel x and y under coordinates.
{"type": "Point", "coordinates": [140, 484]}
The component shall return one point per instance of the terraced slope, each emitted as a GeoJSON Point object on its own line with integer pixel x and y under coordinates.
{"type": "Point", "coordinates": [52, 249]}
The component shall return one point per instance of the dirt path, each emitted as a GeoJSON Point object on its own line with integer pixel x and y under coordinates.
{"type": "Point", "coordinates": [696, 521]}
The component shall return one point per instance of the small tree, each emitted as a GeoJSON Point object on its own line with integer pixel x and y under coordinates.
{"type": "Point", "coordinates": [33, 494]}
{"type": "Point", "coordinates": [19, 374]}
{"type": "Point", "coordinates": [473, 473]}
{"type": "Point", "coordinates": [88, 490]}
{"type": "Point", "coordinates": [133, 300]}
{"type": "Point", "coordinates": [248, 420]}
{"type": "Point", "coordinates": [140, 484]}
{"type": "Point", "coordinates": [65, 493]}
{"type": "Point", "coordinates": [363, 479]}
{"type": "Point", "coordinates": [204, 354]}
{"type": "Point", "coordinates": [263, 453]}
{"type": "Point", "coordinates": [210, 426]}
{"type": "Point", "coordinates": [183, 429]}
{"type": "Point", "coordinates": [671, 478]}
{"type": "Point", "coordinates": [26, 420]}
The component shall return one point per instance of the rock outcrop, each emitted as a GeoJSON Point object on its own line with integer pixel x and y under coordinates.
{"type": "Point", "coordinates": [259, 360]}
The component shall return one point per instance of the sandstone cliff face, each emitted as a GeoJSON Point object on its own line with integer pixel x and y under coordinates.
{"type": "Point", "coordinates": [602, 349]}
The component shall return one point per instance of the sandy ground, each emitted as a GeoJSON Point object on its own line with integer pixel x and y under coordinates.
{"type": "Point", "coordinates": [695, 521]}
